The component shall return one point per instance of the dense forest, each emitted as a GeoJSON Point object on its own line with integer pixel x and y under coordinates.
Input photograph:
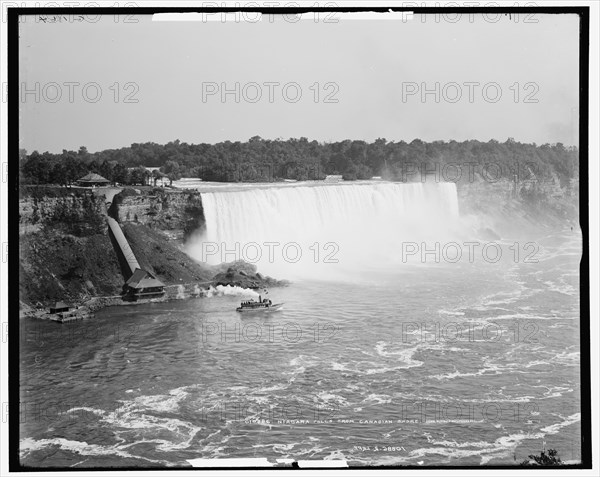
{"type": "Point", "coordinates": [259, 160]}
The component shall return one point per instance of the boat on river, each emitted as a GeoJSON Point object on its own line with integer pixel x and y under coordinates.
{"type": "Point", "coordinates": [263, 304]}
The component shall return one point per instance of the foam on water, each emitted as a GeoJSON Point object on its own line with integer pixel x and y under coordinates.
{"type": "Point", "coordinates": [29, 445]}
{"type": "Point", "coordinates": [229, 290]}
{"type": "Point", "coordinates": [366, 374]}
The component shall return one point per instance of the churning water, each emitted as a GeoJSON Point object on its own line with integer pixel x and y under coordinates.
{"type": "Point", "coordinates": [397, 362]}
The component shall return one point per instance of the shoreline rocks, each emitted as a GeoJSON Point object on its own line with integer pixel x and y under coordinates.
{"type": "Point", "coordinates": [86, 309]}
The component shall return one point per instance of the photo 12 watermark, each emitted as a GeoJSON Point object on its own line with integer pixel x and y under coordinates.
{"type": "Point", "coordinates": [269, 332]}
{"type": "Point", "coordinates": [70, 17]}
{"type": "Point", "coordinates": [469, 92]}
{"type": "Point", "coordinates": [255, 252]}
{"type": "Point", "coordinates": [77, 92]}
{"type": "Point", "coordinates": [468, 252]}
{"type": "Point", "coordinates": [468, 332]}
{"type": "Point", "coordinates": [290, 92]}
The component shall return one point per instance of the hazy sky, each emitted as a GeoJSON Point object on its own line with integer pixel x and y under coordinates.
{"type": "Point", "coordinates": [373, 65]}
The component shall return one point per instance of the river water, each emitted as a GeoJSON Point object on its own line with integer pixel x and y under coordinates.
{"type": "Point", "coordinates": [422, 364]}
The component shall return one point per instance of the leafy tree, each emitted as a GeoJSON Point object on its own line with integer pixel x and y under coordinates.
{"type": "Point", "coordinates": [549, 459]}
{"type": "Point", "coordinates": [172, 170]}
{"type": "Point", "coordinates": [36, 169]}
{"type": "Point", "coordinates": [137, 176]}
{"type": "Point", "coordinates": [156, 175]}
{"type": "Point", "coordinates": [267, 160]}
{"type": "Point", "coordinates": [120, 174]}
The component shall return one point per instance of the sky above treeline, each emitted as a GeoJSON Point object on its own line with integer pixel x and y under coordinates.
{"type": "Point", "coordinates": [107, 82]}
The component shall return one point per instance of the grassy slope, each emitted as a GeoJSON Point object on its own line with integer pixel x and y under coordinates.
{"type": "Point", "coordinates": [57, 266]}
{"type": "Point", "coordinates": [155, 252]}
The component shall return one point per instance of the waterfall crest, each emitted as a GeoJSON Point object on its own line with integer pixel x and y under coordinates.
{"type": "Point", "coordinates": [340, 226]}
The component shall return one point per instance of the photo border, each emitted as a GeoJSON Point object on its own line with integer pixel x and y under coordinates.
{"type": "Point", "coordinates": [13, 215]}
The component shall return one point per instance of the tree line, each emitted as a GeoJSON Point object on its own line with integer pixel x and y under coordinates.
{"type": "Point", "coordinates": [260, 160]}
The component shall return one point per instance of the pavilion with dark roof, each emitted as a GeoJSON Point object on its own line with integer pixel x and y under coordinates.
{"type": "Point", "coordinates": [93, 180]}
{"type": "Point", "coordinates": [143, 284]}
{"type": "Point", "coordinates": [59, 307]}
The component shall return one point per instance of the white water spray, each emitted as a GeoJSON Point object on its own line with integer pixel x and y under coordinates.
{"type": "Point", "coordinates": [314, 230]}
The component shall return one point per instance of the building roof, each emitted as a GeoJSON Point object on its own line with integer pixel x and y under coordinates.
{"type": "Point", "coordinates": [123, 244]}
{"type": "Point", "coordinates": [143, 279]}
{"type": "Point", "coordinates": [60, 304]}
{"type": "Point", "coordinates": [91, 177]}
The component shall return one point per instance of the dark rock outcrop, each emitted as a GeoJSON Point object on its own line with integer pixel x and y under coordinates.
{"type": "Point", "coordinates": [179, 212]}
{"type": "Point", "coordinates": [74, 211]}
{"type": "Point", "coordinates": [242, 274]}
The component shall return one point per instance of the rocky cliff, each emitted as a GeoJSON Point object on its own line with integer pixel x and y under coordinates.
{"type": "Point", "coordinates": [64, 251]}
{"type": "Point", "coordinates": [506, 207]}
{"type": "Point", "coordinates": [66, 254]}
{"type": "Point", "coordinates": [74, 211]}
{"type": "Point", "coordinates": [177, 212]}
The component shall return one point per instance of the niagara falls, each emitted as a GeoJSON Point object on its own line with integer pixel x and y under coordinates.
{"type": "Point", "coordinates": [302, 237]}
{"type": "Point", "coordinates": [352, 349]}
{"type": "Point", "coordinates": [334, 228]}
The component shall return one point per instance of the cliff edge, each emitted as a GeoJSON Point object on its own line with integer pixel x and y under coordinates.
{"type": "Point", "coordinates": [66, 253]}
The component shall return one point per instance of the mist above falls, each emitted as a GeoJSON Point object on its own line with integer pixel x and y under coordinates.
{"type": "Point", "coordinates": [323, 230]}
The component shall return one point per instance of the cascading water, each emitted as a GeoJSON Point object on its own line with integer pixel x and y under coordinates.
{"type": "Point", "coordinates": [315, 230]}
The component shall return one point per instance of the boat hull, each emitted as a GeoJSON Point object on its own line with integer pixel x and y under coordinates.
{"type": "Point", "coordinates": [259, 309]}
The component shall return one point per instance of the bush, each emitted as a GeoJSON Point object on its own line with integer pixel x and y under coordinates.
{"type": "Point", "coordinates": [544, 459]}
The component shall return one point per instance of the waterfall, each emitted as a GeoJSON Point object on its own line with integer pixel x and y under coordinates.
{"type": "Point", "coordinates": [314, 228]}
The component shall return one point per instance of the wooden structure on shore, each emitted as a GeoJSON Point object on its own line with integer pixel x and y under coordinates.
{"type": "Point", "coordinates": [143, 284]}
{"type": "Point", "coordinates": [93, 180]}
{"type": "Point", "coordinates": [59, 307]}
{"type": "Point", "coordinates": [139, 283]}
